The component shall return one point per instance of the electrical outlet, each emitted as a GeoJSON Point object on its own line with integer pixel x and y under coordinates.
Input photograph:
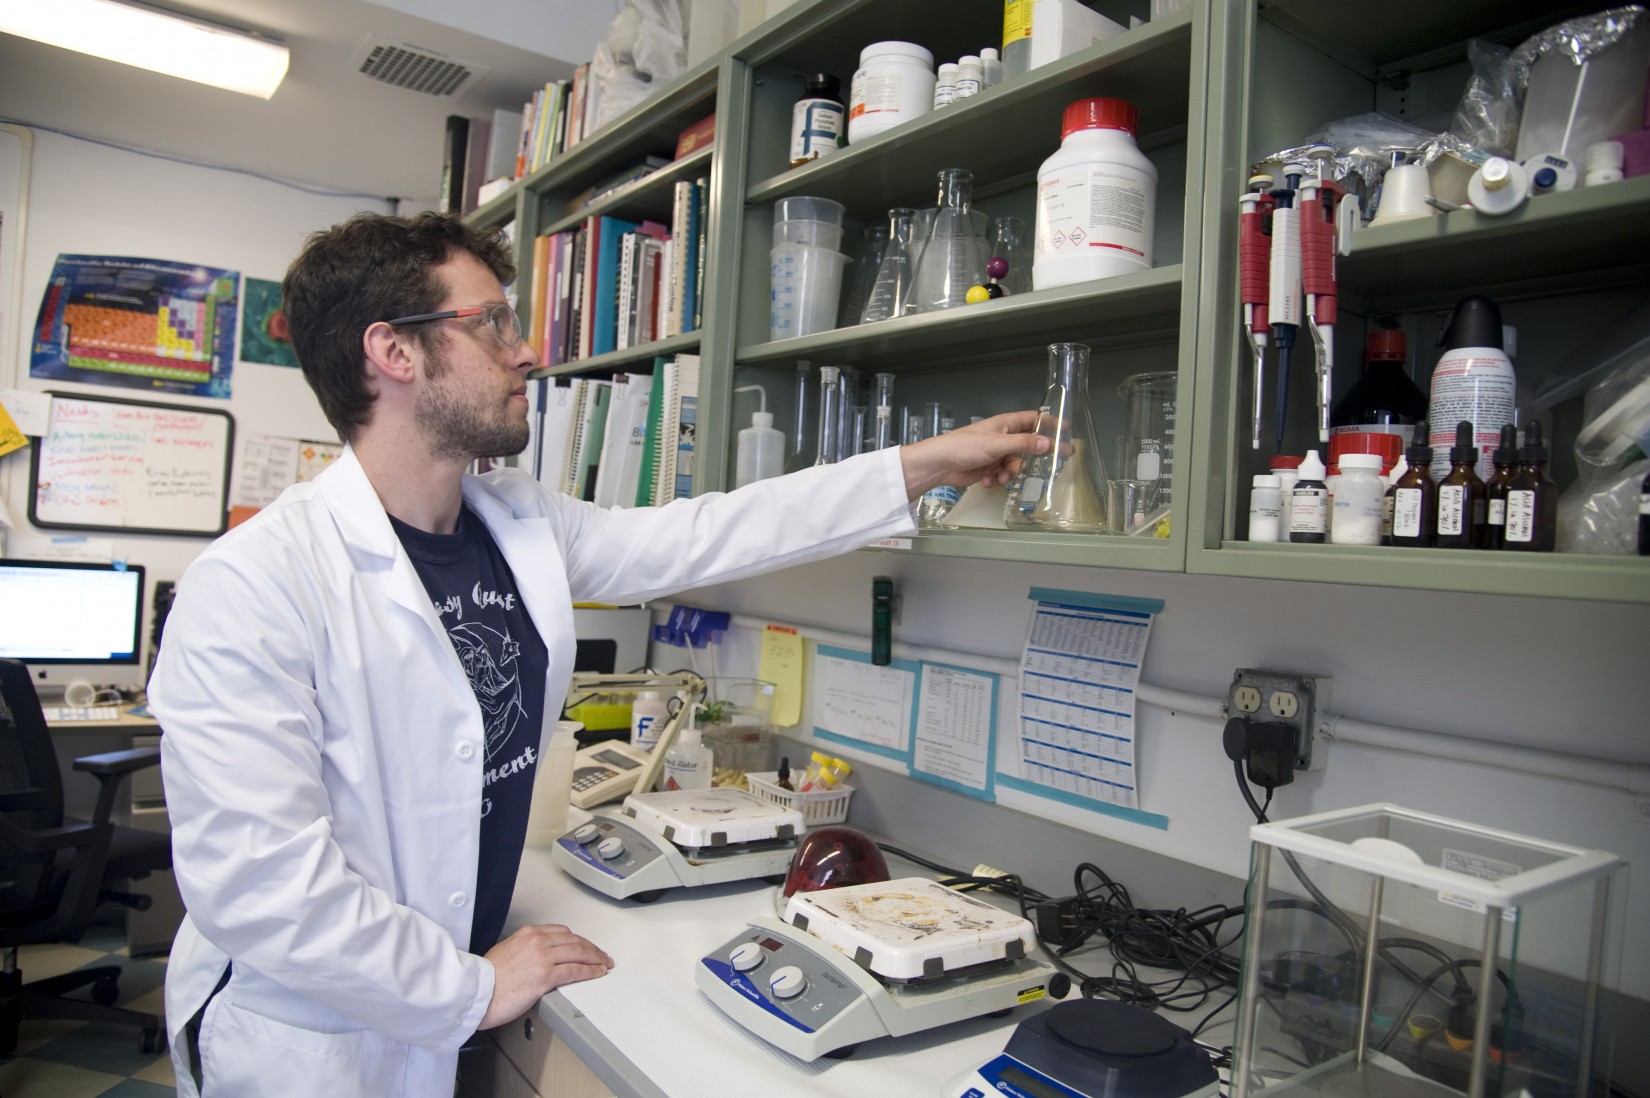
{"type": "Point", "coordinates": [1287, 698]}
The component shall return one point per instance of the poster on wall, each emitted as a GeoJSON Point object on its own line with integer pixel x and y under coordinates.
{"type": "Point", "coordinates": [264, 335]}
{"type": "Point", "coordinates": [149, 324]}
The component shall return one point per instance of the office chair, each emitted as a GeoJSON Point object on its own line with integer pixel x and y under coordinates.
{"type": "Point", "coordinates": [54, 870]}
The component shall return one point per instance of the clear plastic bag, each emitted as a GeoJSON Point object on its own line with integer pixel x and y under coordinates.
{"type": "Point", "coordinates": [1601, 515]}
{"type": "Point", "coordinates": [645, 48]}
{"type": "Point", "coordinates": [1487, 116]}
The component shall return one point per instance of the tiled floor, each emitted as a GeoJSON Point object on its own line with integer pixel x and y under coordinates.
{"type": "Point", "coordinates": [59, 1059]}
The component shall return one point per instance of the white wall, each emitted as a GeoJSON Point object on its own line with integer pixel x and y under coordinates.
{"type": "Point", "coordinates": [93, 199]}
{"type": "Point", "coordinates": [1533, 672]}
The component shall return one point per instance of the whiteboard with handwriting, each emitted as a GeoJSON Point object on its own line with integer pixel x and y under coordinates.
{"type": "Point", "coordinates": [133, 466]}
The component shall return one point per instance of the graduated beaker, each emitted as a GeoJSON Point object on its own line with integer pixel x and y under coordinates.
{"type": "Point", "coordinates": [953, 256]}
{"type": "Point", "coordinates": [1148, 440]}
{"type": "Point", "coordinates": [874, 244]}
{"type": "Point", "coordinates": [893, 279]}
{"type": "Point", "coordinates": [1060, 489]}
{"type": "Point", "coordinates": [806, 280]}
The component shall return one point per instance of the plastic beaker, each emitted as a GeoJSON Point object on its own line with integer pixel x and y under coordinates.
{"type": "Point", "coordinates": [1148, 440]}
{"type": "Point", "coordinates": [1060, 489]}
{"type": "Point", "coordinates": [893, 278]}
{"type": "Point", "coordinates": [865, 275]}
{"type": "Point", "coordinates": [806, 282]}
{"type": "Point", "coordinates": [953, 256]}
{"type": "Point", "coordinates": [801, 207]}
{"type": "Point", "coordinates": [820, 234]}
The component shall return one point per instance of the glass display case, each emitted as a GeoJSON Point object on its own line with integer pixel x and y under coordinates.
{"type": "Point", "coordinates": [1391, 952]}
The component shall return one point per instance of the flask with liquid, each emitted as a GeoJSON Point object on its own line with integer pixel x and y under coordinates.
{"type": "Point", "coordinates": [892, 283]}
{"type": "Point", "coordinates": [1059, 490]}
{"type": "Point", "coordinates": [1532, 499]}
{"type": "Point", "coordinates": [1415, 496]}
{"type": "Point", "coordinates": [688, 761]}
{"type": "Point", "coordinates": [1461, 497]}
{"type": "Point", "coordinates": [818, 121]}
{"type": "Point", "coordinates": [953, 257]}
{"type": "Point", "coordinates": [1474, 381]}
{"type": "Point", "coordinates": [1505, 460]}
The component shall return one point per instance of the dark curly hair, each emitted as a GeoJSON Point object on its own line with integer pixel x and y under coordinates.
{"type": "Point", "coordinates": [372, 267]}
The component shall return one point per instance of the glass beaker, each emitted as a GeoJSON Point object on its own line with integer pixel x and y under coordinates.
{"type": "Point", "coordinates": [953, 256]}
{"type": "Point", "coordinates": [1008, 243]}
{"type": "Point", "coordinates": [1147, 454]}
{"type": "Point", "coordinates": [1060, 490]}
{"type": "Point", "coordinates": [799, 457]}
{"type": "Point", "coordinates": [893, 277]}
{"type": "Point", "coordinates": [872, 247]}
{"type": "Point", "coordinates": [830, 419]}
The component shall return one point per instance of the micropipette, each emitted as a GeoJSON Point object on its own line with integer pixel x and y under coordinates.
{"type": "Point", "coordinates": [1254, 263]}
{"type": "Point", "coordinates": [1317, 221]}
{"type": "Point", "coordinates": [1284, 305]}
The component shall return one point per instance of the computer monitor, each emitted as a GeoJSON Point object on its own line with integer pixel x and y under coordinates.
{"type": "Point", "coordinates": [70, 621]}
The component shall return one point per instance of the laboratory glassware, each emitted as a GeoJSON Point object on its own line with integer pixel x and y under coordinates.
{"type": "Point", "coordinates": [847, 442]}
{"type": "Point", "coordinates": [953, 256]}
{"type": "Point", "coordinates": [830, 421]}
{"type": "Point", "coordinates": [937, 501]}
{"type": "Point", "coordinates": [886, 298]}
{"type": "Point", "coordinates": [885, 435]}
{"type": "Point", "coordinates": [1059, 490]}
{"type": "Point", "coordinates": [1148, 440]}
{"type": "Point", "coordinates": [1008, 243]}
{"type": "Point", "coordinates": [872, 248]}
{"type": "Point", "coordinates": [799, 457]}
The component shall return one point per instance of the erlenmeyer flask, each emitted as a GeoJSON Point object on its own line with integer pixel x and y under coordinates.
{"type": "Point", "coordinates": [1060, 490]}
{"type": "Point", "coordinates": [893, 277]}
{"type": "Point", "coordinates": [1008, 243]}
{"type": "Point", "coordinates": [872, 247]}
{"type": "Point", "coordinates": [953, 257]}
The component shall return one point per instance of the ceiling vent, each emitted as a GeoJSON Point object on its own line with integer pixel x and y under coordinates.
{"type": "Point", "coordinates": [416, 68]}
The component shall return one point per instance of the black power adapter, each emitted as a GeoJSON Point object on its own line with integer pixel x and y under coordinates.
{"type": "Point", "coordinates": [1267, 751]}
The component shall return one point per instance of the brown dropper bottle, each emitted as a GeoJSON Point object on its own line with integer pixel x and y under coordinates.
{"type": "Point", "coordinates": [1505, 459]}
{"type": "Point", "coordinates": [1461, 498]}
{"type": "Point", "coordinates": [1532, 499]}
{"type": "Point", "coordinates": [1415, 496]}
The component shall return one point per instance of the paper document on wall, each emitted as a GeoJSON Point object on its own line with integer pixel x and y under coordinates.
{"type": "Point", "coordinates": [861, 703]}
{"type": "Point", "coordinates": [1077, 695]}
{"type": "Point", "coordinates": [956, 728]}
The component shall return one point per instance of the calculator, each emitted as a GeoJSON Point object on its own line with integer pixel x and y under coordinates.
{"type": "Point", "coordinates": [606, 772]}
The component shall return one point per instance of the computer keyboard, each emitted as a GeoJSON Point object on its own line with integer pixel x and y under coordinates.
{"type": "Point", "coordinates": [81, 712]}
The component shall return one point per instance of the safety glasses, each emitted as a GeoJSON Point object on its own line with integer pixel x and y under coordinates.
{"type": "Point", "coordinates": [499, 321]}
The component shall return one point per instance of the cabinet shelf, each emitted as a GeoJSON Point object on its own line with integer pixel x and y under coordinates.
{"type": "Point", "coordinates": [1024, 547]}
{"type": "Point", "coordinates": [1115, 309]}
{"type": "Point", "coordinates": [616, 361]}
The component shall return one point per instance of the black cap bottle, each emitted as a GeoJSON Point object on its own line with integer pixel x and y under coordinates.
{"type": "Point", "coordinates": [1505, 460]}
{"type": "Point", "coordinates": [1415, 496]}
{"type": "Point", "coordinates": [1461, 496]}
{"type": "Point", "coordinates": [1532, 499]}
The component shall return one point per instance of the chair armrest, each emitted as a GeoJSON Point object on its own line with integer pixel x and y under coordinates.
{"type": "Point", "coordinates": [48, 840]}
{"type": "Point", "coordinates": [119, 762]}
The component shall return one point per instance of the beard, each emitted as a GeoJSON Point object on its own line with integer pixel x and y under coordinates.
{"type": "Point", "coordinates": [460, 424]}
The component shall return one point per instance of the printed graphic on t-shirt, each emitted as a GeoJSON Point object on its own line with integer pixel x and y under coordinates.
{"type": "Point", "coordinates": [490, 660]}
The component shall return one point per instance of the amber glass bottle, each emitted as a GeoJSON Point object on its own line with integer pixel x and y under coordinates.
{"type": "Point", "coordinates": [1532, 499]}
{"type": "Point", "coordinates": [1461, 498]}
{"type": "Point", "coordinates": [1505, 460]}
{"type": "Point", "coordinates": [1415, 496]}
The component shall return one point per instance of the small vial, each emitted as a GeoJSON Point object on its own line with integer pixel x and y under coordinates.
{"type": "Point", "coordinates": [1309, 503]}
{"type": "Point", "coordinates": [991, 68]}
{"type": "Point", "coordinates": [970, 78]}
{"type": "Point", "coordinates": [1265, 508]}
{"type": "Point", "coordinates": [945, 85]}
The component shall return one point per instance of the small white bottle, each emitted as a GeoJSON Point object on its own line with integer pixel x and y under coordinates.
{"type": "Point", "coordinates": [688, 761]}
{"type": "Point", "coordinates": [970, 76]}
{"type": "Point", "coordinates": [1096, 198]}
{"type": "Point", "coordinates": [1309, 503]}
{"type": "Point", "coordinates": [648, 714]}
{"type": "Point", "coordinates": [1358, 496]}
{"type": "Point", "coordinates": [991, 67]}
{"type": "Point", "coordinates": [945, 85]}
{"type": "Point", "coordinates": [760, 452]}
{"type": "Point", "coordinates": [1265, 508]}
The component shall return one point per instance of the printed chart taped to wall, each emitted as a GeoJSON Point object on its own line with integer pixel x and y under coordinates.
{"type": "Point", "coordinates": [129, 465]}
{"type": "Point", "coordinates": [150, 324]}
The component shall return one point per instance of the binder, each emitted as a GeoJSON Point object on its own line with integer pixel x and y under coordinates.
{"type": "Point", "coordinates": [587, 436]}
{"type": "Point", "coordinates": [604, 284]}
{"type": "Point", "coordinates": [620, 467]}
{"type": "Point", "coordinates": [677, 439]}
{"type": "Point", "coordinates": [555, 416]}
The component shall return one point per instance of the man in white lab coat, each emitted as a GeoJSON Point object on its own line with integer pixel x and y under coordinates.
{"type": "Point", "coordinates": [354, 684]}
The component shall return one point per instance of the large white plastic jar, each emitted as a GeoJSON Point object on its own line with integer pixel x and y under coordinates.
{"type": "Point", "coordinates": [1096, 198]}
{"type": "Point", "coordinates": [894, 84]}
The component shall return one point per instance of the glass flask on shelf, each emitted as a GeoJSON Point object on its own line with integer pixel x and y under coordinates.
{"type": "Point", "coordinates": [1060, 489]}
{"type": "Point", "coordinates": [1008, 243]}
{"type": "Point", "coordinates": [886, 298]}
{"type": "Point", "coordinates": [830, 419]}
{"type": "Point", "coordinates": [953, 255]}
{"type": "Point", "coordinates": [800, 456]}
{"type": "Point", "coordinates": [873, 245]}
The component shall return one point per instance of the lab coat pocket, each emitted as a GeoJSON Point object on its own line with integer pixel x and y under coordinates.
{"type": "Point", "coordinates": [249, 1055]}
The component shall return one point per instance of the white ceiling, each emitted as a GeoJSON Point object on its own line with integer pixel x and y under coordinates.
{"type": "Point", "coordinates": [326, 126]}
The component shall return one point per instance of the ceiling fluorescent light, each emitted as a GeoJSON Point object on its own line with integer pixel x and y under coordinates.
{"type": "Point", "coordinates": [152, 39]}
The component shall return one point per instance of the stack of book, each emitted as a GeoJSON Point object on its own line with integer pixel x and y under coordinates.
{"type": "Point", "coordinates": [625, 442]}
{"type": "Point", "coordinates": [609, 284]}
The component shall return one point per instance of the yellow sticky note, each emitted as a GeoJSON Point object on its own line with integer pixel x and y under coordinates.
{"type": "Point", "coordinates": [782, 659]}
{"type": "Point", "coordinates": [11, 437]}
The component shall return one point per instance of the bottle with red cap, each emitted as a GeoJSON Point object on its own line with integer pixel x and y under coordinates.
{"type": "Point", "coordinates": [1096, 198]}
{"type": "Point", "coordinates": [1378, 414]}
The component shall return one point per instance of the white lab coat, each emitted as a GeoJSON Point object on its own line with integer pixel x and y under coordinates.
{"type": "Point", "coordinates": [323, 754]}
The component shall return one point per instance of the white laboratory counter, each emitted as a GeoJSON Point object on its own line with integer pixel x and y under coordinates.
{"type": "Point", "coordinates": [646, 1030]}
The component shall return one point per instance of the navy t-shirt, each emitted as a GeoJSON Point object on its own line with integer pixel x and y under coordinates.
{"type": "Point", "coordinates": [475, 596]}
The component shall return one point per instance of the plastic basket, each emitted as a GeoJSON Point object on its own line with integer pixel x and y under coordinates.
{"type": "Point", "coordinates": [825, 806]}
